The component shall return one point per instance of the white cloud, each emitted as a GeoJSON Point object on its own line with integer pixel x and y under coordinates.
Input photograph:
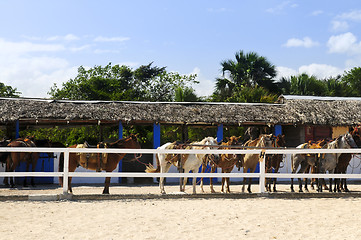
{"type": "Point", "coordinates": [341, 22]}
{"type": "Point", "coordinates": [111, 39]}
{"type": "Point", "coordinates": [34, 76]}
{"type": "Point", "coordinates": [354, 15]}
{"type": "Point", "coordinates": [68, 37]}
{"type": "Point", "coordinates": [80, 48]}
{"type": "Point", "coordinates": [339, 26]}
{"type": "Point", "coordinates": [305, 42]}
{"type": "Point", "coordinates": [285, 72]}
{"type": "Point", "coordinates": [344, 43]}
{"type": "Point", "coordinates": [205, 86]}
{"type": "Point", "coordinates": [281, 7]}
{"type": "Point", "coordinates": [317, 13]}
{"type": "Point", "coordinates": [319, 70]}
{"type": "Point", "coordinates": [18, 48]}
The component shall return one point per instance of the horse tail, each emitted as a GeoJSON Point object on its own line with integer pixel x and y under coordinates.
{"type": "Point", "coordinates": [150, 168]}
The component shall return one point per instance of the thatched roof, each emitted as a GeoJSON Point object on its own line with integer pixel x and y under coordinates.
{"type": "Point", "coordinates": [289, 110]}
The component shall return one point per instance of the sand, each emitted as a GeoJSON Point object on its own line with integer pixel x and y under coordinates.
{"type": "Point", "coordinates": [182, 218]}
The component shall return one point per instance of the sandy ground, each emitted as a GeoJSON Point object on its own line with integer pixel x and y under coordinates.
{"type": "Point", "coordinates": [182, 218]}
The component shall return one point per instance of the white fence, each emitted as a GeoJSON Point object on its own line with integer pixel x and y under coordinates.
{"type": "Point", "coordinates": [261, 175]}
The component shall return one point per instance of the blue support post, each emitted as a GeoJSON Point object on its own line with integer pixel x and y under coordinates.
{"type": "Point", "coordinates": [156, 135]}
{"type": "Point", "coordinates": [120, 136]}
{"type": "Point", "coordinates": [17, 129]}
{"type": "Point", "coordinates": [278, 130]}
{"type": "Point", "coordinates": [120, 130]}
{"type": "Point", "coordinates": [220, 132]}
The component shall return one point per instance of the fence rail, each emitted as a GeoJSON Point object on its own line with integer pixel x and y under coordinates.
{"type": "Point", "coordinates": [262, 175]}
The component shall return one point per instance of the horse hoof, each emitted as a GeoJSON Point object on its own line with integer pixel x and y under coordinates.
{"type": "Point", "coordinates": [300, 190]}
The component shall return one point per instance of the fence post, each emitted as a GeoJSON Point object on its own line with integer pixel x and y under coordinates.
{"type": "Point", "coordinates": [262, 170]}
{"type": "Point", "coordinates": [66, 172]}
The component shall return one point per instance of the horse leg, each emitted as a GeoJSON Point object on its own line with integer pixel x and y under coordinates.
{"type": "Point", "coordinates": [164, 167]}
{"type": "Point", "coordinates": [250, 181]}
{"type": "Point", "coordinates": [244, 179]}
{"type": "Point", "coordinates": [345, 185]}
{"type": "Point", "coordinates": [202, 171]}
{"type": "Point", "coordinates": [303, 168]}
{"type": "Point", "coordinates": [275, 179]}
{"type": "Point", "coordinates": [72, 166]}
{"type": "Point", "coordinates": [27, 170]}
{"type": "Point", "coordinates": [213, 169]}
{"type": "Point", "coordinates": [194, 182]}
{"type": "Point", "coordinates": [106, 185]}
{"type": "Point", "coordinates": [32, 180]}
{"type": "Point", "coordinates": [292, 189]}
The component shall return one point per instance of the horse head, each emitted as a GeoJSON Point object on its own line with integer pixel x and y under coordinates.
{"type": "Point", "coordinates": [265, 140]}
{"type": "Point", "coordinates": [212, 142]}
{"type": "Point", "coordinates": [349, 142]}
{"type": "Point", "coordinates": [280, 141]}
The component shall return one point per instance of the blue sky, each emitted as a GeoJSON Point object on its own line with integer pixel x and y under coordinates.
{"type": "Point", "coordinates": [44, 42]}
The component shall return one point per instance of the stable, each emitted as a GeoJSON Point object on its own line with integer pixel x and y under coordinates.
{"type": "Point", "coordinates": [299, 118]}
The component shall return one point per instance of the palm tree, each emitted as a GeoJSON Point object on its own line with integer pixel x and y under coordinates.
{"type": "Point", "coordinates": [248, 70]}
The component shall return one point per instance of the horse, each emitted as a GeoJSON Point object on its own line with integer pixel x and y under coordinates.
{"type": "Point", "coordinates": [14, 159]}
{"type": "Point", "coordinates": [305, 161]}
{"type": "Point", "coordinates": [112, 159]}
{"type": "Point", "coordinates": [184, 162]}
{"type": "Point", "coordinates": [4, 155]}
{"type": "Point", "coordinates": [251, 160]}
{"type": "Point", "coordinates": [328, 161]}
{"type": "Point", "coordinates": [226, 163]}
{"type": "Point", "coordinates": [273, 161]}
{"type": "Point", "coordinates": [343, 162]}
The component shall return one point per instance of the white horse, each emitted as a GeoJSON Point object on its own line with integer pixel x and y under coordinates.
{"type": "Point", "coordinates": [328, 161]}
{"type": "Point", "coordinates": [184, 162]}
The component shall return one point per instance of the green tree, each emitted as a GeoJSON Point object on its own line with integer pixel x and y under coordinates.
{"type": "Point", "coordinates": [352, 82]}
{"type": "Point", "coordinates": [185, 94]}
{"type": "Point", "coordinates": [8, 91]}
{"type": "Point", "coordinates": [164, 86]}
{"type": "Point", "coordinates": [248, 70]}
{"type": "Point", "coordinates": [304, 84]}
{"type": "Point", "coordinates": [146, 83]}
{"type": "Point", "coordinates": [335, 86]}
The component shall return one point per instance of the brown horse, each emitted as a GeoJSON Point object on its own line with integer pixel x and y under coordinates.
{"type": "Point", "coordinates": [112, 160]}
{"type": "Point", "coordinates": [14, 159]}
{"type": "Point", "coordinates": [4, 155]}
{"type": "Point", "coordinates": [251, 160]}
{"type": "Point", "coordinates": [226, 162]}
{"type": "Point", "coordinates": [273, 161]}
{"type": "Point", "coordinates": [343, 162]}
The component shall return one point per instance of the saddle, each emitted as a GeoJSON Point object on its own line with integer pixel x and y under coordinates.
{"type": "Point", "coordinates": [175, 158]}
{"type": "Point", "coordinates": [99, 159]}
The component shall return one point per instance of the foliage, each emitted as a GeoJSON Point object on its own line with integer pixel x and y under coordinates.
{"type": "Point", "coordinates": [164, 87]}
{"type": "Point", "coordinates": [8, 91]}
{"type": "Point", "coordinates": [116, 83]}
{"type": "Point", "coordinates": [248, 71]}
{"type": "Point", "coordinates": [307, 85]}
{"type": "Point", "coordinates": [352, 82]}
